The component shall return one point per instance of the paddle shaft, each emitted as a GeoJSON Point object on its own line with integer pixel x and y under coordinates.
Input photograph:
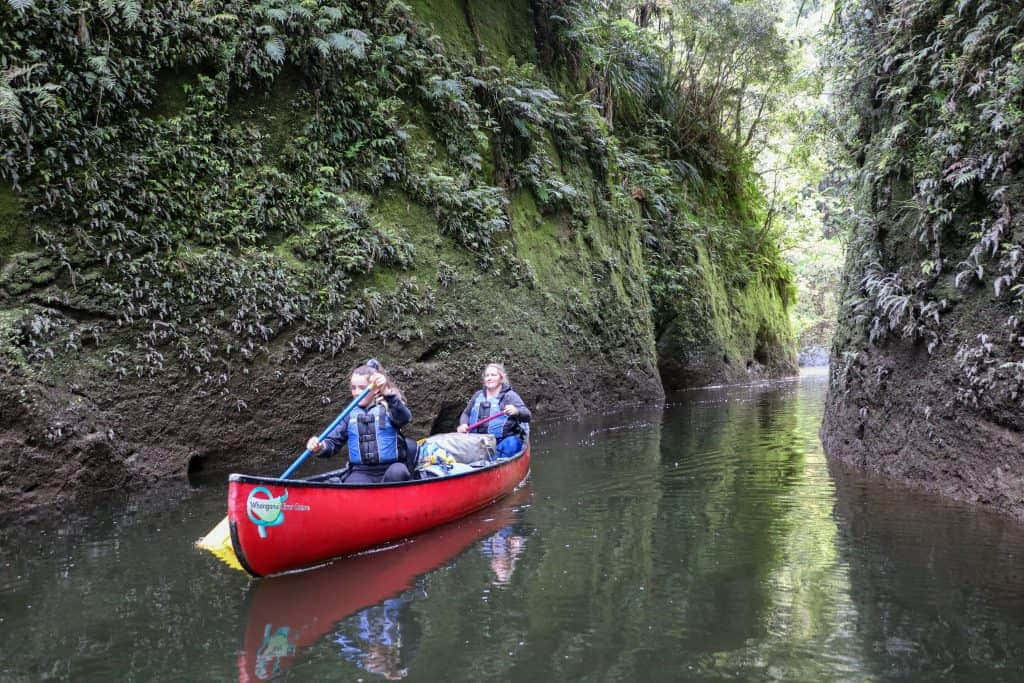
{"type": "Point", "coordinates": [484, 421]}
{"type": "Point", "coordinates": [348, 409]}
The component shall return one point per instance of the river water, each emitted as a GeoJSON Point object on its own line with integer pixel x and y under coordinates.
{"type": "Point", "coordinates": [705, 541]}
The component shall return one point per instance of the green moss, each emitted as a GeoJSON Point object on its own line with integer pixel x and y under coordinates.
{"type": "Point", "coordinates": [280, 113]}
{"type": "Point", "coordinates": [502, 29]}
{"type": "Point", "coordinates": [14, 233]}
{"type": "Point", "coordinates": [547, 144]}
{"type": "Point", "coordinates": [394, 210]}
{"type": "Point", "coordinates": [562, 261]}
{"type": "Point", "coordinates": [448, 19]}
{"type": "Point", "coordinates": [505, 28]}
{"type": "Point", "coordinates": [382, 279]}
{"type": "Point", "coordinates": [422, 142]}
{"type": "Point", "coordinates": [748, 323]}
{"type": "Point", "coordinates": [535, 237]}
{"type": "Point", "coordinates": [285, 252]}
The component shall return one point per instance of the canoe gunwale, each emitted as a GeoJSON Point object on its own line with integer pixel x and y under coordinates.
{"type": "Point", "coordinates": [256, 479]}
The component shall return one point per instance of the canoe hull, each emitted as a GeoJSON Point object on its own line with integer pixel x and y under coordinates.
{"type": "Point", "coordinates": [283, 524]}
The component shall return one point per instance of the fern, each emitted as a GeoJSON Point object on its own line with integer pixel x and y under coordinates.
{"type": "Point", "coordinates": [322, 46]}
{"type": "Point", "coordinates": [275, 49]}
{"type": "Point", "coordinates": [351, 41]}
{"type": "Point", "coordinates": [332, 13]}
{"type": "Point", "coordinates": [131, 9]}
{"type": "Point", "coordinates": [10, 106]}
{"type": "Point", "coordinates": [273, 13]}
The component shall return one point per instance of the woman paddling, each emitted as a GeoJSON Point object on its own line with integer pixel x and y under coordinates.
{"type": "Point", "coordinates": [377, 451]}
{"type": "Point", "coordinates": [497, 396]}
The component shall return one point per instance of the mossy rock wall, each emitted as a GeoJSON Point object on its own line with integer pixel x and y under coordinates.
{"type": "Point", "coordinates": [250, 220]}
{"type": "Point", "coordinates": [743, 332]}
{"type": "Point", "coordinates": [926, 381]}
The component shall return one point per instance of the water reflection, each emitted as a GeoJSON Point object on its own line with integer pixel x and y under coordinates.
{"type": "Point", "coordinates": [940, 587]}
{"type": "Point", "coordinates": [766, 577]}
{"type": "Point", "coordinates": [503, 549]}
{"type": "Point", "coordinates": [376, 645]}
{"type": "Point", "coordinates": [361, 602]}
{"type": "Point", "coordinates": [706, 541]}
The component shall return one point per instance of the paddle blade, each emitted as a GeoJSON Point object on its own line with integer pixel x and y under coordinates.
{"type": "Point", "coordinates": [218, 542]}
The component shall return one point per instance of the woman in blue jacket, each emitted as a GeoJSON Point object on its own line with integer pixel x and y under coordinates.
{"type": "Point", "coordinates": [497, 396]}
{"type": "Point", "coordinates": [377, 450]}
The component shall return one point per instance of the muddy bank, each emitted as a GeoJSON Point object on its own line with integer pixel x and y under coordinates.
{"type": "Point", "coordinates": [893, 413]}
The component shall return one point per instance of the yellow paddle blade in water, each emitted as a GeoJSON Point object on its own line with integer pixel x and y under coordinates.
{"type": "Point", "coordinates": [218, 542]}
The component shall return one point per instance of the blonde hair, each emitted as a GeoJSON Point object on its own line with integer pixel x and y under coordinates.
{"type": "Point", "coordinates": [501, 371]}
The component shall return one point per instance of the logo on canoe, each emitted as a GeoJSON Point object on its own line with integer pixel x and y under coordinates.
{"type": "Point", "coordinates": [266, 510]}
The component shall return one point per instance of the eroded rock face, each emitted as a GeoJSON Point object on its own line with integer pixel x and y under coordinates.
{"type": "Point", "coordinates": [926, 378]}
{"type": "Point", "coordinates": [895, 413]}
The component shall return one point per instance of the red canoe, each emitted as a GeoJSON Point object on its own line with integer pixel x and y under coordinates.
{"type": "Point", "coordinates": [289, 613]}
{"type": "Point", "coordinates": [283, 524]}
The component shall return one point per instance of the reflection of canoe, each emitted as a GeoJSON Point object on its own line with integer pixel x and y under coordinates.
{"type": "Point", "coordinates": [292, 611]}
{"type": "Point", "coordinates": [282, 524]}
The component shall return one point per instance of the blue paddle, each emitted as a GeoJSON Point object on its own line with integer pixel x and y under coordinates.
{"type": "Point", "coordinates": [218, 541]}
{"type": "Point", "coordinates": [348, 409]}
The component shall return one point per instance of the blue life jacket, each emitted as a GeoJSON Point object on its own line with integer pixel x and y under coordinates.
{"type": "Point", "coordinates": [372, 439]}
{"type": "Point", "coordinates": [485, 407]}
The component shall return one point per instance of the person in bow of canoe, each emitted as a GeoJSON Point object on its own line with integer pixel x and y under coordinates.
{"type": "Point", "coordinates": [498, 396]}
{"type": "Point", "coordinates": [377, 450]}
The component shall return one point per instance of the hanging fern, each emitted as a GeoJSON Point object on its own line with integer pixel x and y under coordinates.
{"type": "Point", "coordinates": [275, 49]}
{"type": "Point", "coordinates": [934, 93]}
{"type": "Point", "coordinates": [351, 41]}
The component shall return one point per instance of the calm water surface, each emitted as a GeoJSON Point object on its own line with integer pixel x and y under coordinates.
{"type": "Point", "coordinates": [707, 541]}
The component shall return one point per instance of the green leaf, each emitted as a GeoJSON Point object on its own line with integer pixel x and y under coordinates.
{"type": "Point", "coordinates": [322, 46]}
{"type": "Point", "coordinates": [275, 48]}
{"type": "Point", "coordinates": [332, 13]}
{"type": "Point", "coordinates": [132, 10]}
{"type": "Point", "coordinates": [353, 41]}
{"type": "Point", "coordinates": [521, 126]}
